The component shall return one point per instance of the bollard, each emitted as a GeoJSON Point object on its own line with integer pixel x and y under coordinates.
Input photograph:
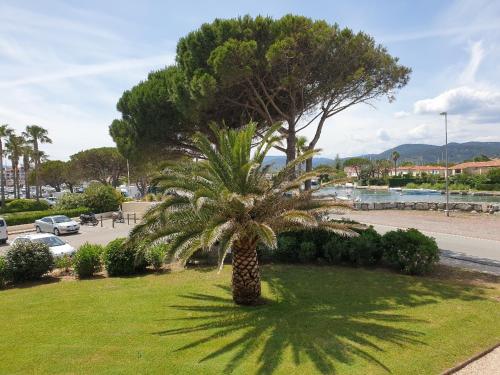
{"type": "Point", "coordinates": [101, 221]}
{"type": "Point", "coordinates": [113, 222]}
{"type": "Point", "coordinates": [135, 219]}
{"type": "Point", "coordinates": [128, 219]}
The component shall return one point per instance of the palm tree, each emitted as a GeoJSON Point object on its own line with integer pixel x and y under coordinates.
{"type": "Point", "coordinates": [5, 131]}
{"type": "Point", "coordinates": [395, 156]}
{"type": "Point", "coordinates": [227, 202]}
{"type": "Point", "coordinates": [27, 153]}
{"type": "Point", "coordinates": [13, 147]}
{"type": "Point", "coordinates": [36, 135]}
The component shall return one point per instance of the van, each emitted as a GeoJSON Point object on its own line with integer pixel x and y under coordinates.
{"type": "Point", "coordinates": [4, 236]}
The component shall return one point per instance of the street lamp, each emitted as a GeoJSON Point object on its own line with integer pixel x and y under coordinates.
{"type": "Point", "coordinates": [445, 114]}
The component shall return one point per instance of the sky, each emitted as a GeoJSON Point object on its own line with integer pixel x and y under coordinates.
{"type": "Point", "coordinates": [65, 64]}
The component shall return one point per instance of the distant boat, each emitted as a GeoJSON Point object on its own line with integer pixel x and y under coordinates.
{"type": "Point", "coordinates": [395, 189]}
{"type": "Point", "coordinates": [420, 191]}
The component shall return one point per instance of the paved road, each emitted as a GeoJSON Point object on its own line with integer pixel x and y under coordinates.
{"type": "Point", "coordinates": [90, 234]}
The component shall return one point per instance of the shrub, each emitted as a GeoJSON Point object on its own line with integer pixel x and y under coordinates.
{"type": "Point", "coordinates": [365, 249]}
{"type": "Point", "coordinates": [71, 201]}
{"type": "Point", "coordinates": [410, 251]}
{"type": "Point", "coordinates": [29, 261]}
{"type": "Point", "coordinates": [155, 256]}
{"type": "Point", "coordinates": [3, 272]}
{"type": "Point", "coordinates": [120, 258]}
{"type": "Point", "coordinates": [307, 252]}
{"type": "Point", "coordinates": [63, 262]}
{"type": "Point", "coordinates": [30, 217]}
{"type": "Point", "coordinates": [334, 250]}
{"type": "Point", "coordinates": [287, 248]}
{"type": "Point", "coordinates": [87, 260]}
{"type": "Point", "coordinates": [102, 198]}
{"type": "Point", "coordinates": [21, 205]}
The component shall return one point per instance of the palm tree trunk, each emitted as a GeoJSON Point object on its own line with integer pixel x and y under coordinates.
{"type": "Point", "coordinates": [2, 175]}
{"type": "Point", "coordinates": [26, 178]}
{"type": "Point", "coordinates": [246, 274]}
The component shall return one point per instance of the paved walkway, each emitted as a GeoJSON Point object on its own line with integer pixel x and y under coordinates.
{"type": "Point", "coordinates": [487, 365]}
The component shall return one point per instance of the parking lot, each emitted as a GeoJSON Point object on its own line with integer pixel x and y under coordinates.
{"type": "Point", "coordinates": [98, 235]}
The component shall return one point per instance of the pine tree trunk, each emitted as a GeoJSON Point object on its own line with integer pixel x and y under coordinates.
{"type": "Point", "coordinates": [246, 274]}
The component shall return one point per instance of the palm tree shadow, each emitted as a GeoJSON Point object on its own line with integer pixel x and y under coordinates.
{"type": "Point", "coordinates": [326, 327]}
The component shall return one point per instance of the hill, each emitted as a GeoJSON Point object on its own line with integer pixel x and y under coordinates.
{"type": "Point", "coordinates": [457, 152]}
{"type": "Point", "coordinates": [417, 153]}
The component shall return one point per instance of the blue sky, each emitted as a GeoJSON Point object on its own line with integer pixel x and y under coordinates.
{"type": "Point", "coordinates": [64, 64]}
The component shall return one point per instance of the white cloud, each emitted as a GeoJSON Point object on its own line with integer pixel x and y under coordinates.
{"type": "Point", "coordinates": [479, 105]}
{"type": "Point", "coordinates": [476, 56]}
{"type": "Point", "coordinates": [401, 114]}
{"type": "Point", "coordinates": [420, 132]}
{"type": "Point", "coordinates": [383, 135]}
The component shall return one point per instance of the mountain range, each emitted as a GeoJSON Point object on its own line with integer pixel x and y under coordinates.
{"type": "Point", "coordinates": [416, 153]}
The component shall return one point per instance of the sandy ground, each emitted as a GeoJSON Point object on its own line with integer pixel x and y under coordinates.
{"type": "Point", "coordinates": [483, 226]}
{"type": "Point", "coordinates": [487, 365]}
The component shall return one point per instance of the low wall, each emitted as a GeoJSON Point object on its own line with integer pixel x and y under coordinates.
{"type": "Point", "coordinates": [139, 208]}
{"type": "Point", "coordinates": [429, 206]}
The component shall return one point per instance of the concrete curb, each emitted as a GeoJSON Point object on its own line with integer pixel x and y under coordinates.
{"type": "Point", "coordinates": [470, 360]}
{"type": "Point", "coordinates": [472, 260]}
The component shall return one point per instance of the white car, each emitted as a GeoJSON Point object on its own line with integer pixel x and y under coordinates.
{"type": "Point", "coordinates": [52, 201]}
{"type": "Point", "coordinates": [59, 224]}
{"type": "Point", "coordinates": [4, 235]}
{"type": "Point", "coordinates": [56, 246]}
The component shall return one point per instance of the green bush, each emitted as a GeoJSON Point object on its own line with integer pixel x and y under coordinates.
{"type": "Point", "coordinates": [3, 272]}
{"type": "Point", "coordinates": [493, 176]}
{"type": "Point", "coordinates": [21, 205]}
{"type": "Point", "coordinates": [488, 187]}
{"type": "Point", "coordinates": [87, 260]}
{"type": "Point", "coordinates": [365, 249]}
{"type": "Point", "coordinates": [334, 250]}
{"type": "Point", "coordinates": [71, 201]}
{"type": "Point", "coordinates": [410, 251]}
{"type": "Point", "coordinates": [29, 261]}
{"type": "Point", "coordinates": [120, 258]}
{"type": "Point", "coordinates": [64, 262]}
{"type": "Point", "coordinates": [155, 256]}
{"type": "Point", "coordinates": [307, 252]}
{"type": "Point", "coordinates": [102, 198]}
{"type": "Point", "coordinates": [287, 248]}
{"type": "Point", "coordinates": [30, 217]}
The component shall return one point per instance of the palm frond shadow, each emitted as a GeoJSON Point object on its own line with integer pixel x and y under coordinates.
{"type": "Point", "coordinates": [320, 327]}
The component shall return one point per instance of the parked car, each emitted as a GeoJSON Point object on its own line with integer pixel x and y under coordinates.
{"type": "Point", "coordinates": [51, 201]}
{"type": "Point", "coordinates": [4, 235]}
{"type": "Point", "coordinates": [59, 224]}
{"type": "Point", "coordinates": [56, 246]}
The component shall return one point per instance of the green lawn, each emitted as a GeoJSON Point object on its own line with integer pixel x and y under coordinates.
{"type": "Point", "coordinates": [317, 320]}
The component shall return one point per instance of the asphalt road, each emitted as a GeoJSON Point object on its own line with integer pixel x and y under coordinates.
{"type": "Point", "coordinates": [96, 235]}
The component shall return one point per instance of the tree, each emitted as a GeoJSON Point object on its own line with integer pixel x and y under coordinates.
{"type": "Point", "coordinates": [292, 70]}
{"type": "Point", "coordinates": [37, 135]}
{"type": "Point", "coordinates": [27, 153]}
{"type": "Point", "coordinates": [5, 131]}
{"type": "Point", "coordinates": [357, 164]}
{"type": "Point", "coordinates": [53, 173]}
{"type": "Point", "coordinates": [104, 164]}
{"type": "Point", "coordinates": [494, 175]}
{"type": "Point", "coordinates": [395, 156]}
{"type": "Point", "coordinates": [481, 158]}
{"type": "Point", "coordinates": [301, 146]}
{"type": "Point", "coordinates": [227, 202]}
{"type": "Point", "coordinates": [338, 162]}
{"type": "Point", "coordinates": [14, 149]}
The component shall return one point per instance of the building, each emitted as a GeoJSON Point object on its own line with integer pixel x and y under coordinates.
{"type": "Point", "coordinates": [475, 167]}
{"type": "Point", "coordinates": [351, 171]}
{"type": "Point", "coordinates": [417, 170]}
{"type": "Point", "coordinates": [9, 176]}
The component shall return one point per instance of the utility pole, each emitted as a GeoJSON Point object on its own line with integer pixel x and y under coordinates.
{"type": "Point", "coordinates": [445, 114]}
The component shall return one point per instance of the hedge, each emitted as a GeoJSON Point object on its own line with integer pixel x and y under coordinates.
{"type": "Point", "coordinates": [30, 216]}
{"type": "Point", "coordinates": [22, 205]}
{"type": "Point", "coordinates": [488, 187]}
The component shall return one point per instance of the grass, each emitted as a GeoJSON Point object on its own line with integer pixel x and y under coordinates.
{"type": "Point", "coordinates": [317, 320]}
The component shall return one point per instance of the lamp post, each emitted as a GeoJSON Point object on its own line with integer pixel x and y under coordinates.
{"type": "Point", "coordinates": [445, 114]}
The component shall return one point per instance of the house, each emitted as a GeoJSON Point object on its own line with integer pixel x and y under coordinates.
{"type": "Point", "coordinates": [417, 170]}
{"type": "Point", "coordinates": [351, 172]}
{"type": "Point", "coordinates": [475, 167]}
